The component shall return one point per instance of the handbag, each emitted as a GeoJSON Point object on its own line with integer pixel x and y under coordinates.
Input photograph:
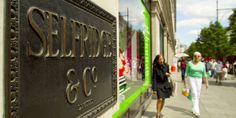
{"type": "Point", "coordinates": [173, 86]}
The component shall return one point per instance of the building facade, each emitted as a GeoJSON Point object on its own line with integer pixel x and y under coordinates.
{"type": "Point", "coordinates": [163, 28]}
{"type": "Point", "coordinates": [180, 47]}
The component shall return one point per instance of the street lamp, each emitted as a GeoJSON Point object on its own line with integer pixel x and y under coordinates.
{"type": "Point", "coordinates": [217, 10]}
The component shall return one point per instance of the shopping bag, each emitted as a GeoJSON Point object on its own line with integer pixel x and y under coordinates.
{"type": "Point", "coordinates": [189, 96]}
{"type": "Point", "coordinates": [173, 86]}
{"type": "Point", "coordinates": [185, 92]}
{"type": "Point", "coordinates": [174, 89]}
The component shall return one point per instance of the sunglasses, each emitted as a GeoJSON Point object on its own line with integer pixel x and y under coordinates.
{"type": "Point", "coordinates": [197, 55]}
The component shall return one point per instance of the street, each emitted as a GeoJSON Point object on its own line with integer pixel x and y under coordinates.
{"type": "Point", "coordinates": [218, 101]}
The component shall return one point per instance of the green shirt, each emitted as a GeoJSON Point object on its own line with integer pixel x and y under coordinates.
{"type": "Point", "coordinates": [197, 71]}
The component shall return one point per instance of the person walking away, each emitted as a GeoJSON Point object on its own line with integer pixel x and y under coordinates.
{"type": "Point", "coordinates": [195, 73]}
{"type": "Point", "coordinates": [219, 72]}
{"type": "Point", "coordinates": [208, 68]}
{"type": "Point", "coordinates": [225, 70]}
{"type": "Point", "coordinates": [213, 69]}
{"type": "Point", "coordinates": [183, 68]}
{"type": "Point", "coordinates": [160, 83]}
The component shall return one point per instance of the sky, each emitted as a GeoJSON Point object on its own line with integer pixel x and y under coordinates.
{"type": "Point", "coordinates": [193, 15]}
{"type": "Point", "coordinates": [136, 17]}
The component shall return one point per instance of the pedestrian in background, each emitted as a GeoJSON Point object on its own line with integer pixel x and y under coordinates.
{"type": "Point", "coordinates": [219, 72]}
{"type": "Point", "coordinates": [208, 68]}
{"type": "Point", "coordinates": [196, 73]}
{"type": "Point", "coordinates": [160, 83]}
{"type": "Point", "coordinates": [183, 68]}
{"type": "Point", "coordinates": [225, 70]}
{"type": "Point", "coordinates": [213, 69]}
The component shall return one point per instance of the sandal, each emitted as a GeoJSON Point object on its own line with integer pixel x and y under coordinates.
{"type": "Point", "coordinates": [160, 116]}
{"type": "Point", "coordinates": [197, 115]}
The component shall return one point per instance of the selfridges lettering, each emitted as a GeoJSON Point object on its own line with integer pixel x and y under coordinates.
{"type": "Point", "coordinates": [92, 42]}
{"type": "Point", "coordinates": [87, 39]}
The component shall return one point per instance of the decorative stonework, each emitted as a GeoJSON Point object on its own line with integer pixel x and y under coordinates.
{"type": "Point", "coordinates": [92, 8]}
{"type": "Point", "coordinates": [14, 60]}
{"type": "Point", "coordinates": [114, 58]}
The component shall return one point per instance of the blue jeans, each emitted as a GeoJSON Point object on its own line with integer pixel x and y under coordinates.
{"type": "Point", "coordinates": [182, 73]}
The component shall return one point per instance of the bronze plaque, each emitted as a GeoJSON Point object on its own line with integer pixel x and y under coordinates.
{"type": "Point", "coordinates": [61, 61]}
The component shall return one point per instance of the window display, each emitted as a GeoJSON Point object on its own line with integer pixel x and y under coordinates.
{"type": "Point", "coordinates": [131, 46]}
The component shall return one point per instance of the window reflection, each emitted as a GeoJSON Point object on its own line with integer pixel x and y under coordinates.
{"type": "Point", "coordinates": [131, 46]}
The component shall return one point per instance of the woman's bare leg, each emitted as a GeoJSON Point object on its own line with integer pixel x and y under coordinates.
{"type": "Point", "coordinates": [162, 105]}
{"type": "Point", "coordinates": [159, 106]}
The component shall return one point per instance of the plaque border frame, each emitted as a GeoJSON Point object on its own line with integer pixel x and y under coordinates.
{"type": "Point", "coordinates": [12, 57]}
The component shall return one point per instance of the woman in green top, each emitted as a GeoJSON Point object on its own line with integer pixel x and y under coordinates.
{"type": "Point", "coordinates": [195, 72]}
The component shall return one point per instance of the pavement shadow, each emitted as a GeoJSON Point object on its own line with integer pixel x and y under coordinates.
{"type": "Point", "coordinates": [225, 83]}
{"type": "Point", "coordinates": [178, 109]}
{"type": "Point", "coordinates": [149, 114]}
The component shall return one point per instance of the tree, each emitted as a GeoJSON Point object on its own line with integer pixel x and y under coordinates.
{"type": "Point", "coordinates": [195, 46]}
{"type": "Point", "coordinates": [141, 43]}
{"type": "Point", "coordinates": [232, 32]}
{"type": "Point", "coordinates": [192, 48]}
{"type": "Point", "coordinates": [216, 44]}
{"type": "Point", "coordinates": [232, 27]}
{"type": "Point", "coordinates": [212, 42]}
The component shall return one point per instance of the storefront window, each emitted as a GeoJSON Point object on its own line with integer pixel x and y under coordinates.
{"type": "Point", "coordinates": [131, 46]}
{"type": "Point", "coordinates": [135, 56]}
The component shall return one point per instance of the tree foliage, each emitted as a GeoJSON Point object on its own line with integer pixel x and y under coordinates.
{"type": "Point", "coordinates": [232, 32]}
{"type": "Point", "coordinates": [212, 42]}
{"type": "Point", "coordinates": [232, 27]}
{"type": "Point", "coordinates": [192, 49]}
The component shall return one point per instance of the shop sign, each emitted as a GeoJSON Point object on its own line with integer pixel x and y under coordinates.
{"type": "Point", "coordinates": [61, 60]}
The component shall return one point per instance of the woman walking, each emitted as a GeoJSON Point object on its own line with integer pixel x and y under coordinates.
{"type": "Point", "coordinates": [160, 83]}
{"type": "Point", "coordinates": [196, 73]}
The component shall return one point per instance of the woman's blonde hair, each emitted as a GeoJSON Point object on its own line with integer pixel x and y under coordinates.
{"type": "Point", "coordinates": [196, 53]}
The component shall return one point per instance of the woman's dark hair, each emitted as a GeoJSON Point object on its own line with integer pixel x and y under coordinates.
{"type": "Point", "coordinates": [155, 62]}
{"type": "Point", "coordinates": [157, 67]}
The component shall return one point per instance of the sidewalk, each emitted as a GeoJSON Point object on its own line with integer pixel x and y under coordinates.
{"type": "Point", "coordinates": [215, 102]}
